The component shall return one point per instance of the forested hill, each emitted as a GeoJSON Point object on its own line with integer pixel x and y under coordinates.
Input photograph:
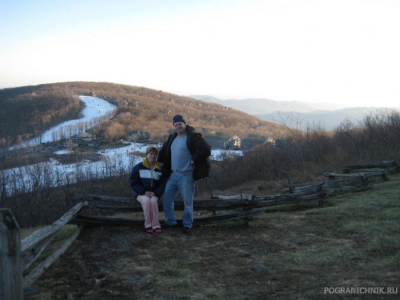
{"type": "Point", "coordinates": [28, 111]}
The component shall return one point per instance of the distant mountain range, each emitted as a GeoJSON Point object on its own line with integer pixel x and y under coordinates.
{"type": "Point", "coordinates": [264, 106]}
{"type": "Point", "coordinates": [296, 114]}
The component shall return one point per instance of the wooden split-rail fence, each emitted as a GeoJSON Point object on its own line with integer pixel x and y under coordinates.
{"type": "Point", "coordinates": [17, 256]}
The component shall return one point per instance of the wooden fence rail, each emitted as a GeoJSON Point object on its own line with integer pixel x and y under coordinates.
{"type": "Point", "coordinates": [17, 256]}
{"type": "Point", "coordinates": [10, 258]}
{"type": "Point", "coordinates": [240, 206]}
{"type": "Point", "coordinates": [390, 165]}
{"type": "Point", "coordinates": [233, 202]}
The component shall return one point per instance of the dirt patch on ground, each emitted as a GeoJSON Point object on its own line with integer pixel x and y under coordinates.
{"type": "Point", "coordinates": [279, 256]}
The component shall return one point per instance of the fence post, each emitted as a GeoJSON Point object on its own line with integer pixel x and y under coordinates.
{"type": "Point", "coordinates": [10, 257]}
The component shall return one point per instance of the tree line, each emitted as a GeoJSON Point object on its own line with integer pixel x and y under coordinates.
{"type": "Point", "coordinates": [29, 111]}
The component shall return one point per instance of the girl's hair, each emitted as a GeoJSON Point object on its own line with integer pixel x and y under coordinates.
{"type": "Point", "coordinates": [152, 149]}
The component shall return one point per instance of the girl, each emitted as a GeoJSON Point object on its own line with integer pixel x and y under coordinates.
{"type": "Point", "coordinates": [148, 185]}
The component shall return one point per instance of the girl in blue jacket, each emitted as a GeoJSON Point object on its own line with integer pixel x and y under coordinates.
{"type": "Point", "coordinates": [148, 184]}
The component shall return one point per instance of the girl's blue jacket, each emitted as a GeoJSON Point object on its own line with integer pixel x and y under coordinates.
{"type": "Point", "coordinates": [143, 179]}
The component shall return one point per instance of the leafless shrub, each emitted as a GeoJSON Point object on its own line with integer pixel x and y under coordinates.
{"type": "Point", "coordinates": [314, 151]}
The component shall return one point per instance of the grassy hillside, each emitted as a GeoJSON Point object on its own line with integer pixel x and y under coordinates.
{"type": "Point", "coordinates": [294, 252]}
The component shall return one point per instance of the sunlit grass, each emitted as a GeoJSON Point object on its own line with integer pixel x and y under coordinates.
{"type": "Point", "coordinates": [384, 244]}
{"type": "Point", "coordinates": [354, 227]}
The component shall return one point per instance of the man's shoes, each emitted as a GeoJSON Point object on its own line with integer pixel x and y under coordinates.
{"type": "Point", "coordinates": [186, 229]}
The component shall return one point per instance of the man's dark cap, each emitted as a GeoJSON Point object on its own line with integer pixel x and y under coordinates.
{"type": "Point", "coordinates": [178, 118]}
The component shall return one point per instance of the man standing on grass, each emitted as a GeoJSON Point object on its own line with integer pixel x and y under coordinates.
{"type": "Point", "coordinates": [185, 159]}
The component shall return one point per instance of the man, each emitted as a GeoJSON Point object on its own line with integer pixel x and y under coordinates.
{"type": "Point", "coordinates": [185, 159]}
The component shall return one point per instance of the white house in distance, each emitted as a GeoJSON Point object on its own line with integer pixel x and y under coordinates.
{"type": "Point", "coordinates": [233, 143]}
{"type": "Point", "coordinates": [84, 136]}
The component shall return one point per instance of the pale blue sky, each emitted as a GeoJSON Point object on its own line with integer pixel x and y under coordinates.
{"type": "Point", "coordinates": [342, 51]}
